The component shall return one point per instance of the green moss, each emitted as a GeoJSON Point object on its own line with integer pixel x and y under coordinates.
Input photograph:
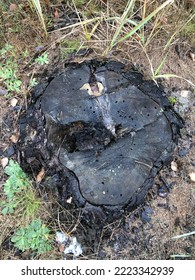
{"type": "Point", "coordinates": [172, 100]}
{"type": "Point", "coordinates": [189, 31]}
{"type": "Point", "coordinates": [68, 47]}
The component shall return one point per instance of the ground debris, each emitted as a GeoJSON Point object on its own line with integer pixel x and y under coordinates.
{"type": "Point", "coordinates": [68, 244]}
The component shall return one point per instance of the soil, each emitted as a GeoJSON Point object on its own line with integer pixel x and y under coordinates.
{"type": "Point", "coordinates": [168, 209]}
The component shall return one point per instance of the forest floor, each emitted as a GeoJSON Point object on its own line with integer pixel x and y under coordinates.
{"type": "Point", "coordinates": [161, 49]}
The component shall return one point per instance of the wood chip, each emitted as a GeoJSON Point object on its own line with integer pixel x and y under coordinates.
{"type": "Point", "coordinates": [40, 175]}
{"type": "Point", "coordinates": [4, 162]}
{"type": "Point", "coordinates": [192, 56]}
{"type": "Point", "coordinates": [14, 138]}
{"type": "Point", "coordinates": [192, 176]}
{"type": "Point", "coordinates": [61, 247]}
{"type": "Point", "coordinates": [174, 166]}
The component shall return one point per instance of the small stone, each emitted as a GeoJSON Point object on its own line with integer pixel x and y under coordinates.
{"type": "Point", "coordinates": [69, 200]}
{"type": "Point", "coordinates": [192, 176]}
{"type": "Point", "coordinates": [13, 102]}
{"type": "Point", "coordinates": [174, 166]}
{"type": "Point", "coordinates": [183, 152]}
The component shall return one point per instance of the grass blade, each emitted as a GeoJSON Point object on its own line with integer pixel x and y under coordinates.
{"type": "Point", "coordinates": [37, 6]}
{"type": "Point", "coordinates": [168, 75]}
{"type": "Point", "coordinates": [128, 9]}
{"type": "Point", "coordinates": [160, 65]}
{"type": "Point", "coordinates": [145, 20]}
{"type": "Point", "coordinates": [183, 235]}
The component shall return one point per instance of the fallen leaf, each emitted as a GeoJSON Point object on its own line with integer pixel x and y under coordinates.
{"type": "Point", "coordinates": [13, 102]}
{"type": "Point", "coordinates": [14, 138]}
{"type": "Point", "coordinates": [56, 13]}
{"type": "Point", "coordinates": [61, 247]}
{"type": "Point", "coordinates": [40, 175]}
{"type": "Point", "coordinates": [192, 176]}
{"type": "Point", "coordinates": [12, 7]}
{"type": "Point", "coordinates": [192, 56]}
{"type": "Point", "coordinates": [174, 166]}
{"type": "Point", "coordinates": [4, 162]}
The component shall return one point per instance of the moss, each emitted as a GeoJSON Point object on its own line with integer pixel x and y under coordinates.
{"type": "Point", "coordinates": [189, 31]}
{"type": "Point", "coordinates": [68, 47]}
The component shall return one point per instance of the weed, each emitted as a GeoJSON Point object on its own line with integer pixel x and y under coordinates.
{"type": "Point", "coordinates": [117, 38]}
{"type": "Point", "coordinates": [172, 100]}
{"type": "Point", "coordinates": [21, 200]}
{"type": "Point", "coordinates": [42, 59]}
{"type": "Point", "coordinates": [16, 181]}
{"type": "Point", "coordinates": [9, 69]}
{"type": "Point", "coordinates": [19, 194]}
{"type": "Point", "coordinates": [35, 236]}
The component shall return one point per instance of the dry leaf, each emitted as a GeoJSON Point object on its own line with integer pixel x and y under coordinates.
{"type": "Point", "coordinates": [192, 56]}
{"type": "Point", "coordinates": [192, 176]}
{"type": "Point", "coordinates": [40, 175]}
{"type": "Point", "coordinates": [12, 7]}
{"type": "Point", "coordinates": [4, 162]}
{"type": "Point", "coordinates": [56, 13]}
{"type": "Point", "coordinates": [61, 247]}
{"type": "Point", "coordinates": [13, 102]}
{"type": "Point", "coordinates": [174, 166]}
{"type": "Point", "coordinates": [14, 138]}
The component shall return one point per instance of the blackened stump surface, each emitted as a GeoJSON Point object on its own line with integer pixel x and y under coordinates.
{"type": "Point", "coordinates": [111, 128]}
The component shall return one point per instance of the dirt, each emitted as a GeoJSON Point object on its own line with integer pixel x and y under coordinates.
{"type": "Point", "coordinates": [168, 210]}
